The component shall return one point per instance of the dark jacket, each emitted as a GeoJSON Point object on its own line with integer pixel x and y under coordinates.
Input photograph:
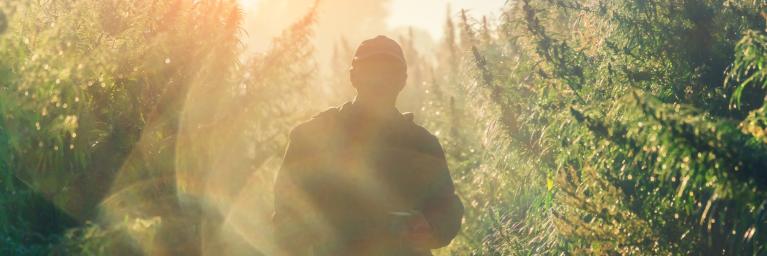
{"type": "Point", "coordinates": [343, 182]}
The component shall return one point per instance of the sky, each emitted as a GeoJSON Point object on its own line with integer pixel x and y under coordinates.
{"type": "Point", "coordinates": [355, 20]}
{"type": "Point", "coordinates": [430, 14]}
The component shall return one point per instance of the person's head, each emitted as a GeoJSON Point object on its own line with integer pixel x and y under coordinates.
{"type": "Point", "coordinates": [379, 69]}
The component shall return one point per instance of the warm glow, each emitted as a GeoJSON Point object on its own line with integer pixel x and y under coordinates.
{"type": "Point", "coordinates": [430, 14]}
{"type": "Point", "coordinates": [383, 127]}
{"type": "Point", "coordinates": [359, 19]}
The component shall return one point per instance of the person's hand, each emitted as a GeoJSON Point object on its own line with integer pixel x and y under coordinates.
{"type": "Point", "coordinates": [419, 232]}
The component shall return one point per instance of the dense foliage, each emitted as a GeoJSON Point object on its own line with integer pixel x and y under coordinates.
{"type": "Point", "coordinates": [92, 93]}
{"type": "Point", "coordinates": [637, 122]}
{"type": "Point", "coordinates": [571, 127]}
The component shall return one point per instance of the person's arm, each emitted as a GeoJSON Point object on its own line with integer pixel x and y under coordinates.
{"type": "Point", "coordinates": [289, 226]}
{"type": "Point", "coordinates": [442, 208]}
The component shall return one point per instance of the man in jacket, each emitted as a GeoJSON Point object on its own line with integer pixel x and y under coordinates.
{"type": "Point", "coordinates": [363, 178]}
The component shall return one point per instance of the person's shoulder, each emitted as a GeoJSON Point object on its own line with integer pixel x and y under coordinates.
{"type": "Point", "coordinates": [319, 121]}
{"type": "Point", "coordinates": [421, 138]}
{"type": "Point", "coordinates": [419, 133]}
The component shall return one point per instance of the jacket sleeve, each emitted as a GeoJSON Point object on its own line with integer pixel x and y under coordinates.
{"type": "Point", "coordinates": [290, 233]}
{"type": "Point", "coordinates": [442, 208]}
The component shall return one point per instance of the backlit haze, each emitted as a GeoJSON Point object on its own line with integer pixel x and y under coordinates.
{"type": "Point", "coordinates": [355, 20]}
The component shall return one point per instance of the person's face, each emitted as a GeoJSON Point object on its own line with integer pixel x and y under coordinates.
{"type": "Point", "coordinates": [380, 75]}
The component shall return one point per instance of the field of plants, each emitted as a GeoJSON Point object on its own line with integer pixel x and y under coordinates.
{"type": "Point", "coordinates": [571, 127]}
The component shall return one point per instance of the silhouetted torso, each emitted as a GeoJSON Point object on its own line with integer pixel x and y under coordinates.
{"type": "Point", "coordinates": [345, 175]}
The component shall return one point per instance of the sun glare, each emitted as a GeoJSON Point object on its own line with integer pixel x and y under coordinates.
{"type": "Point", "coordinates": [430, 14]}
{"type": "Point", "coordinates": [383, 127]}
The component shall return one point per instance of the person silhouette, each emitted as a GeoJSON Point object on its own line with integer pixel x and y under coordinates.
{"type": "Point", "coordinates": [363, 178]}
